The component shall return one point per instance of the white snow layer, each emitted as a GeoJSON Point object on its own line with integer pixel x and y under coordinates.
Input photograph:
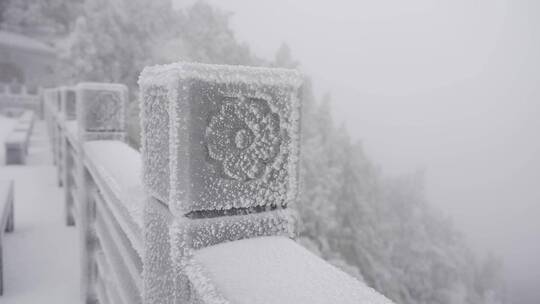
{"type": "Point", "coordinates": [272, 270]}
{"type": "Point", "coordinates": [190, 234]}
{"type": "Point", "coordinates": [41, 259]}
{"type": "Point", "coordinates": [116, 166]}
{"type": "Point", "coordinates": [219, 137]}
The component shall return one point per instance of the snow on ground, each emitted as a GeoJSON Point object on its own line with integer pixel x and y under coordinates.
{"type": "Point", "coordinates": [41, 258]}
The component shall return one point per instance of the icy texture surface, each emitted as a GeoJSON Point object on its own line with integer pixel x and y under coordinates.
{"type": "Point", "coordinates": [220, 137]}
{"type": "Point", "coordinates": [162, 283]}
{"type": "Point", "coordinates": [272, 270]}
{"type": "Point", "coordinates": [101, 107]}
{"type": "Point", "coordinates": [243, 138]}
{"type": "Point", "coordinates": [190, 234]}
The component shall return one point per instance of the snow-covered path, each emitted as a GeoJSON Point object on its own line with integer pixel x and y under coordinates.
{"type": "Point", "coordinates": [41, 255]}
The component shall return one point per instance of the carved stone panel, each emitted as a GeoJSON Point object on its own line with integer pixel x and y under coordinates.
{"type": "Point", "coordinates": [220, 137]}
{"type": "Point", "coordinates": [101, 107]}
{"type": "Point", "coordinates": [243, 138]}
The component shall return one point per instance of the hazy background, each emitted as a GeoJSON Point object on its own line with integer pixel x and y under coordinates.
{"type": "Point", "coordinates": [448, 87]}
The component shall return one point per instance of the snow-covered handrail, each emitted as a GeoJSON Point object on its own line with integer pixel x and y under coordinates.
{"type": "Point", "coordinates": [219, 163]}
{"type": "Point", "coordinates": [220, 149]}
{"type": "Point", "coordinates": [20, 100]}
{"type": "Point", "coordinates": [102, 186]}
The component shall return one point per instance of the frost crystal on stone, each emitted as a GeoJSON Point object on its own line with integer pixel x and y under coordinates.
{"type": "Point", "coordinates": [192, 234]}
{"type": "Point", "coordinates": [219, 137]}
{"type": "Point", "coordinates": [101, 110]}
{"type": "Point", "coordinates": [244, 137]}
{"type": "Point", "coordinates": [104, 110]}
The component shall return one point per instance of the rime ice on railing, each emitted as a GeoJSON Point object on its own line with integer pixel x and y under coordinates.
{"type": "Point", "coordinates": [220, 148]}
{"type": "Point", "coordinates": [100, 109]}
{"type": "Point", "coordinates": [220, 168]}
{"type": "Point", "coordinates": [67, 116]}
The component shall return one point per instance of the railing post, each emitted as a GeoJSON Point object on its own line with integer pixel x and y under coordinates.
{"type": "Point", "coordinates": [60, 138]}
{"type": "Point", "coordinates": [48, 96]}
{"type": "Point", "coordinates": [39, 105]}
{"type": "Point", "coordinates": [68, 105]}
{"type": "Point", "coordinates": [101, 110]}
{"type": "Point", "coordinates": [55, 106]}
{"type": "Point", "coordinates": [220, 151]}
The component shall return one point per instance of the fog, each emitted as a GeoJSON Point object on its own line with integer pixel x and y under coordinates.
{"type": "Point", "coordinates": [447, 87]}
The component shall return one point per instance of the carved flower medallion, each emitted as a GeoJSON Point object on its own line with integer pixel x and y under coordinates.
{"type": "Point", "coordinates": [104, 111]}
{"type": "Point", "coordinates": [243, 137]}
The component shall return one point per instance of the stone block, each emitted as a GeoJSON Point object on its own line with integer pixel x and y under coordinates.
{"type": "Point", "coordinates": [101, 110]}
{"type": "Point", "coordinates": [220, 137]}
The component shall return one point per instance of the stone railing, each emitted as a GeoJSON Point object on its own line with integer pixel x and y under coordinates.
{"type": "Point", "coordinates": [203, 213]}
{"type": "Point", "coordinates": [12, 102]}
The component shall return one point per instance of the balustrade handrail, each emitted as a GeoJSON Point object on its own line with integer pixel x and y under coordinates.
{"type": "Point", "coordinates": [112, 238]}
{"type": "Point", "coordinates": [19, 101]}
{"type": "Point", "coordinates": [173, 239]}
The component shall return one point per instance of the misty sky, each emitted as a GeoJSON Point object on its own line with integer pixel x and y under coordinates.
{"type": "Point", "coordinates": [450, 87]}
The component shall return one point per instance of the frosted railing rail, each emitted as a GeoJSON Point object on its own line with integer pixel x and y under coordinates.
{"type": "Point", "coordinates": [204, 213]}
{"type": "Point", "coordinates": [101, 179]}
{"type": "Point", "coordinates": [20, 100]}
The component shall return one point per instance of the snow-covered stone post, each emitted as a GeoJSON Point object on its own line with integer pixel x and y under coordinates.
{"type": "Point", "coordinates": [60, 138]}
{"type": "Point", "coordinates": [220, 151]}
{"type": "Point", "coordinates": [45, 96]}
{"type": "Point", "coordinates": [54, 107]}
{"type": "Point", "coordinates": [101, 110]}
{"type": "Point", "coordinates": [49, 99]}
{"type": "Point", "coordinates": [68, 103]}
